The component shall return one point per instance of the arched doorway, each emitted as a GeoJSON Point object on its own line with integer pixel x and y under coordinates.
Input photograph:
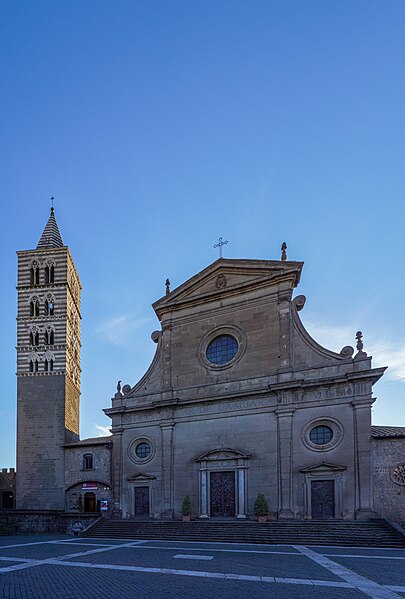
{"type": "Point", "coordinates": [89, 502]}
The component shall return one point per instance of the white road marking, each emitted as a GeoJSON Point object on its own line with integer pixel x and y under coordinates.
{"type": "Point", "coordinates": [38, 562]}
{"type": "Point", "coordinates": [363, 584]}
{"type": "Point", "coordinates": [202, 574]}
{"type": "Point", "coordinates": [364, 556]}
{"type": "Point", "coordinates": [184, 556]}
{"type": "Point", "coordinates": [212, 550]}
{"type": "Point", "coordinates": [350, 578]}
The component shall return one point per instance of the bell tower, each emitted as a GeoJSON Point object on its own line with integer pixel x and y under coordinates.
{"type": "Point", "coordinates": [48, 369]}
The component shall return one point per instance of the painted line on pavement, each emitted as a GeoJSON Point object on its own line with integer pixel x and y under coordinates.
{"type": "Point", "coordinates": [33, 563]}
{"type": "Point", "coordinates": [202, 574]}
{"type": "Point", "coordinates": [184, 556]}
{"type": "Point", "coordinates": [363, 584]}
{"type": "Point", "coordinates": [390, 557]}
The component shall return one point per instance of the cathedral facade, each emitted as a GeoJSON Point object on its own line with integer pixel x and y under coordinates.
{"type": "Point", "coordinates": [238, 400]}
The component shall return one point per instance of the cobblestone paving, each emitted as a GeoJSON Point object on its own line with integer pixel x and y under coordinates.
{"type": "Point", "coordinates": [47, 567]}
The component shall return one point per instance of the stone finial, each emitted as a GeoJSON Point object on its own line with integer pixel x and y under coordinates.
{"type": "Point", "coordinates": [359, 346]}
{"type": "Point", "coordinates": [118, 394]}
{"type": "Point", "coordinates": [284, 251]}
{"type": "Point", "coordinates": [167, 286]}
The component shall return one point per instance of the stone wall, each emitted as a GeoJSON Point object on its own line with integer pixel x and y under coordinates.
{"type": "Point", "coordinates": [388, 493]}
{"type": "Point", "coordinates": [46, 521]}
{"type": "Point", "coordinates": [76, 476]}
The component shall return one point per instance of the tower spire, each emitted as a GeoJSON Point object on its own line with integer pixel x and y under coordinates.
{"type": "Point", "coordinates": [51, 237]}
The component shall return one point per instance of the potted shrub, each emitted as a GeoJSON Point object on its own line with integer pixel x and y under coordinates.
{"type": "Point", "coordinates": [186, 509]}
{"type": "Point", "coordinates": [261, 508]}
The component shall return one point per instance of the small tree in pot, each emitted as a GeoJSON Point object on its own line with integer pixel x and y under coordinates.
{"type": "Point", "coordinates": [186, 509]}
{"type": "Point", "coordinates": [261, 508]}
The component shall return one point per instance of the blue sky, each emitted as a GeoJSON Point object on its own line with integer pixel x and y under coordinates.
{"type": "Point", "coordinates": [159, 126]}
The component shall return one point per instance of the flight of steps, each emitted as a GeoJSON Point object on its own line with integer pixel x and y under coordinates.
{"type": "Point", "coordinates": [371, 533]}
{"type": "Point", "coordinates": [5, 530]}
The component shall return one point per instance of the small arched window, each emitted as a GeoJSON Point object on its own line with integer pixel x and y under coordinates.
{"type": "Point", "coordinates": [49, 337]}
{"type": "Point", "coordinates": [34, 273]}
{"type": "Point", "coordinates": [88, 461]}
{"type": "Point", "coordinates": [34, 307]}
{"type": "Point", "coordinates": [33, 365]}
{"type": "Point", "coordinates": [49, 273]}
{"type": "Point", "coordinates": [34, 337]}
{"type": "Point", "coordinates": [49, 306]}
{"type": "Point", "coordinates": [49, 365]}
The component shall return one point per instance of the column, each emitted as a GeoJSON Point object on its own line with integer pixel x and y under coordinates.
{"type": "Point", "coordinates": [284, 435]}
{"type": "Point", "coordinates": [241, 493]}
{"type": "Point", "coordinates": [204, 493]}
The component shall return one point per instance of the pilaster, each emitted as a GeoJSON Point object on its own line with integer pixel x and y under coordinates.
{"type": "Point", "coordinates": [284, 438]}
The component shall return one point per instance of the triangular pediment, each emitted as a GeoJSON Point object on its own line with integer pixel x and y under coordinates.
{"type": "Point", "coordinates": [226, 277]}
{"type": "Point", "coordinates": [323, 467]}
{"type": "Point", "coordinates": [139, 477]}
{"type": "Point", "coordinates": [224, 453]}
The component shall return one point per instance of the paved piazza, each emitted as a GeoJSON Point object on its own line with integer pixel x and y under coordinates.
{"type": "Point", "coordinates": [54, 566]}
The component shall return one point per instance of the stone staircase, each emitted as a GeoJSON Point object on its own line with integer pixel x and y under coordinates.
{"type": "Point", "coordinates": [5, 530]}
{"type": "Point", "coordinates": [371, 533]}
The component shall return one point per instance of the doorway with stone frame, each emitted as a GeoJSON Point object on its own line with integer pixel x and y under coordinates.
{"type": "Point", "coordinates": [323, 491]}
{"type": "Point", "coordinates": [222, 483]}
{"type": "Point", "coordinates": [141, 502]}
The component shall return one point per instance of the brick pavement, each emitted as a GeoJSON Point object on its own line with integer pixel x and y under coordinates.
{"type": "Point", "coordinates": [68, 568]}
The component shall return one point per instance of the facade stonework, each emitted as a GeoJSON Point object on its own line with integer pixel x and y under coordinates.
{"type": "Point", "coordinates": [389, 476]}
{"type": "Point", "coordinates": [238, 400]}
{"type": "Point", "coordinates": [244, 427]}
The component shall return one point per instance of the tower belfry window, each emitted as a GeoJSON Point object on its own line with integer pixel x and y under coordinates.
{"type": "Point", "coordinates": [49, 307]}
{"type": "Point", "coordinates": [34, 337]}
{"type": "Point", "coordinates": [34, 307]}
{"type": "Point", "coordinates": [49, 337]}
{"type": "Point", "coordinates": [34, 273]}
{"type": "Point", "coordinates": [33, 365]}
{"type": "Point", "coordinates": [49, 273]}
{"type": "Point", "coordinates": [49, 365]}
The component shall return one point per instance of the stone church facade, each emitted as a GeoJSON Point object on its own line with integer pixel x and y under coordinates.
{"type": "Point", "coordinates": [238, 400]}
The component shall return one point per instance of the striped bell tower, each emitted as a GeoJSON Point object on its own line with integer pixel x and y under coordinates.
{"type": "Point", "coordinates": [48, 369]}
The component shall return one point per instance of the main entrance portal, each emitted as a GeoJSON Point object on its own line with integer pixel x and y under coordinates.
{"type": "Point", "coordinates": [222, 494]}
{"type": "Point", "coordinates": [323, 499]}
{"type": "Point", "coordinates": [141, 502]}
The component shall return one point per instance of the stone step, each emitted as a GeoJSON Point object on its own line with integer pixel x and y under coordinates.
{"type": "Point", "coordinates": [373, 533]}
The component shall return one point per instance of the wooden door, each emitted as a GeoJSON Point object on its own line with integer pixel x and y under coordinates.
{"type": "Point", "coordinates": [222, 494]}
{"type": "Point", "coordinates": [89, 502]}
{"type": "Point", "coordinates": [323, 499]}
{"type": "Point", "coordinates": [141, 502]}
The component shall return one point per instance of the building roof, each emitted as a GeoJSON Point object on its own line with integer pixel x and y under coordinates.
{"type": "Point", "coordinates": [91, 441]}
{"type": "Point", "coordinates": [387, 432]}
{"type": "Point", "coordinates": [51, 237]}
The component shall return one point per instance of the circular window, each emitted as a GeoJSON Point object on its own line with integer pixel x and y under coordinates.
{"type": "Point", "coordinates": [398, 474]}
{"type": "Point", "coordinates": [321, 435]}
{"type": "Point", "coordinates": [142, 450]}
{"type": "Point", "coordinates": [222, 350]}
